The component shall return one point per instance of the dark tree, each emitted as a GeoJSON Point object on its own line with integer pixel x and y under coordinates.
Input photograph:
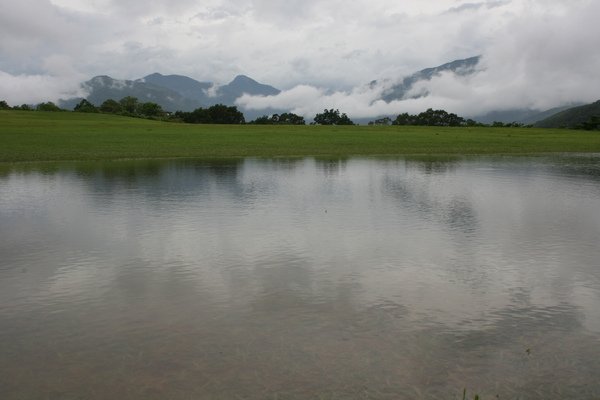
{"type": "Point", "coordinates": [222, 114]}
{"type": "Point", "coordinates": [591, 124]}
{"type": "Point", "coordinates": [49, 106]}
{"type": "Point", "coordinates": [150, 109]}
{"type": "Point", "coordinates": [430, 117]}
{"type": "Point", "coordinates": [86, 107]}
{"type": "Point", "coordinates": [454, 120]}
{"type": "Point", "coordinates": [283, 119]}
{"type": "Point", "coordinates": [129, 104]}
{"type": "Point", "coordinates": [290, 119]}
{"type": "Point", "coordinates": [405, 119]}
{"type": "Point", "coordinates": [198, 116]}
{"type": "Point", "coordinates": [217, 114]}
{"type": "Point", "coordinates": [264, 120]}
{"type": "Point", "coordinates": [4, 105]}
{"type": "Point", "coordinates": [433, 117]}
{"type": "Point", "coordinates": [111, 106]}
{"type": "Point", "coordinates": [332, 117]}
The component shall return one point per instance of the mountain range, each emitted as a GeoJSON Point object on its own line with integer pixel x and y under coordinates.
{"type": "Point", "coordinates": [173, 92]}
{"type": "Point", "coordinates": [178, 92]}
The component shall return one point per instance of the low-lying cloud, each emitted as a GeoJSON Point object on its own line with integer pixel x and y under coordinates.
{"type": "Point", "coordinates": [34, 89]}
{"type": "Point", "coordinates": [540, 60]}
{"type": "Point", "coordinates": [536, 53]}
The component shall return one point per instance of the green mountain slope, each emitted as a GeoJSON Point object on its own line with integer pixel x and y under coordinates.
{"type": "Point", "coordinates": [572, 118]}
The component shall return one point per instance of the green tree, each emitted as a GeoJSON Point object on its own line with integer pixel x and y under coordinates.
{"type": "Point", "coordinates": [433, 117]}
{"type": "Point", "coordinates": [198, 116]}
{"type": "Point", "coordinates": [290, 119]}
{"type": "Point", "coordinates": [264, 120]}
{"type": "Point", "coordinates": [4, 105]}
{"type": "Point", "coordinates": [222, 114]}
{"type": "Point", "coordinates": [404, 119]}
{"type": "Point", "coordinates": [430, 117]}
{"type": "Point", "coordinates": [217, 114]}
{"type": "Point", "coordinates": [332, 117]}
{"type": "Point", "coordinates": [454, 120]}
{"type": "Point", "coordinates": [283, 119]}
{"type": "Point", "coordinates": [86, 107]}
{"type": "Point", "coordinates": [129, 104]}
{"type": "Point", "coordinates": [111, 106]}
{"type": "Point", "coordinates": [150, 109]}
{"type": "Point", "coordinates": [48, 106]}
{"type": "Point", "coordinates": [591, 124]}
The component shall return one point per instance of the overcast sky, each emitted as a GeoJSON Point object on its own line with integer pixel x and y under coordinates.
{"type": "Point", "coordinates": [536, 53]}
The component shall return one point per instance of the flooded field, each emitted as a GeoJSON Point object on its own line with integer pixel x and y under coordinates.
{"type": "Point", "coordinates": [362, 278]}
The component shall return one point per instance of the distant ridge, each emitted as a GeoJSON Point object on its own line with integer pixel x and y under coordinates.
{"type": "Point", "coordinates": [466, 67]}
{"type": "Point", "coordinates": [242, 84]}
{"type": "Point", "coordinates": [185, 86]}
{"type": "Point", "coordinates": [172, 92]}
{"type": "Point", "coordinates": [459, 67]}
{"type": "Point", "coordinates": [524, 116]}
{"type": "Point", "coordinates": [572, 117]}
{"type": "Point", "coordinates": [179, 92]}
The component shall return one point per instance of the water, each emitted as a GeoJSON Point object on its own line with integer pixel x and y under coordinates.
{"type": "Point", "coordinates": [301, 279]}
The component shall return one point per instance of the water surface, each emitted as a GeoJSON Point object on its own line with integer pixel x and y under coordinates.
{"type": "Point", "coordinates": [301, 279]}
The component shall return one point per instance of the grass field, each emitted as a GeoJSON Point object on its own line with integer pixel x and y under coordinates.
{"type": "Point", "coordinates": [48, 136]}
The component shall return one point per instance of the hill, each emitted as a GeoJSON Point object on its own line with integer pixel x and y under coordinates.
{"type": "Point", "coordinates": [572, 117]}
{"type": "Point", "coordinates": [101, 88]}
{"type": "Point", "coordinates": [171, 92]}
{"type": "Point", "coordinates": [524, 116]}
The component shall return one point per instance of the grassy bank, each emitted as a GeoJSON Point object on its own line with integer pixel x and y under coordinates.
{"type": "Point", "coordinates": [54, 136]}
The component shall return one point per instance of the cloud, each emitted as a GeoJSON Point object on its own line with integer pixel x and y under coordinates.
{"type": "Point", "coordinates": [360, 102]}
{"type": "Point", "coordinates": [33, 89]}
{"type": "Point", "coordinates": [537, 53]}
{"type": "Point", "coordinates": [476, 6]}
{"type": "Point", "coordinates": [539, 58]}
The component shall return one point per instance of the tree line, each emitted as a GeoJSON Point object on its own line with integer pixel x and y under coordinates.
{"type": "Point", "coordinates": [432, 117]}
{"type": "Point", "coordinates": [217, 114]}
{"type": "Point", "coordinates": [592, 124]}
{"type": "Point", "coordinates": [223, 114]}
{"type": "Point", "coordinates": [48, 106]}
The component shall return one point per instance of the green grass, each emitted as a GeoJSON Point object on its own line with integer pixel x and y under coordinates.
{"type": "Point", "coordinates": [48, 136]}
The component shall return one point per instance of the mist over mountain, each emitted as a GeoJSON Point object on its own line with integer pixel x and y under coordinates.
{"type": "Point", "coordinates": [240, 85]}
{"type": "Point", "coordinates": [401, 90]}
{"type": "Point", "coordinates": [173, 92]}
{"type": "Point", "coordinates": [532, 54]}
{"type": "Point", "coordinates": [405, 89]}
{"type": "Point", "coordinates": [385, 97]}
{"type": "Point", "coordinates": [209, 93]}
